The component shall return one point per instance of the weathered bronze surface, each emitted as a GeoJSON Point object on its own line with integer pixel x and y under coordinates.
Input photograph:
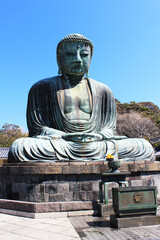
{"type": "Point", "coordinates": [72, 117]}
{"type": "Point", "coordinates": [114, 165]}
{"type": "Point", "coordinates": [134, 200]}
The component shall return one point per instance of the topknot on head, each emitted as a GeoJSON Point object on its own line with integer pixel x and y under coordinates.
{"type": "Point", "coordinates": [74, 37]}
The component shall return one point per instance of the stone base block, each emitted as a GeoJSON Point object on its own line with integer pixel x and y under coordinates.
{"type": "Point", "coordinates": [49, 214]}
{"type": "Point", "coordinates": [47, 207]}
{"type": "Point", "coordinates": [105, 210]}
{"type": "Point", "coordinates": [133, 221]}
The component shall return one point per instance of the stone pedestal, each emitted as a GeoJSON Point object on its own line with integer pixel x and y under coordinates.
{"type": "Point", "coordinates": [51, 182]}
{"type": "Point", "coordinates": [69, 182]}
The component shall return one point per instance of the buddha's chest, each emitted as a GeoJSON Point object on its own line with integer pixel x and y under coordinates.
{"type": "Point", "coordinates": [77, 101]}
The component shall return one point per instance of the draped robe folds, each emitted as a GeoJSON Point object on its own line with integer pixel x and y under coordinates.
{"type": "Point", "coordinates": [47, 124]}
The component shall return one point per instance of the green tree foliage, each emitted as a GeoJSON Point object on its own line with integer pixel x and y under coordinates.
{"type": "Point", "coordinates": [148, 109]}
{"type": "Point", "coordinates": [9, 133]}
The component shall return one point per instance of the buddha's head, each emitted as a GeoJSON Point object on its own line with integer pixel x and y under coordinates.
{"type": "Point", "coordinates": [74, 54]}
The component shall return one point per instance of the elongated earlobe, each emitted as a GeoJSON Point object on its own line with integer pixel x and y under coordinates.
{"type": "Point", "coordinates": [59, 71]}
{"type": "Point", "coordinates": [87, 74]}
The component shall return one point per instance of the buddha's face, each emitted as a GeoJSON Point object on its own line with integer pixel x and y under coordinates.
{"type": "Point", "coordinates": [75, 58]}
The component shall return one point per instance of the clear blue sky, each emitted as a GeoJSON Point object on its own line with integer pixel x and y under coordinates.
{"type": "Point", "coordinates": [125, 34]}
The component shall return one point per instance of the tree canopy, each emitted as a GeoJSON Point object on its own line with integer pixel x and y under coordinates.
{"type": "Point", "coordinates": [134, 125]}
{"type": "Point", "coordinates": [9, 133]}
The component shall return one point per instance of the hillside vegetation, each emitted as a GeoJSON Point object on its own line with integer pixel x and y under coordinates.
{"type": "Point", "coordinates": [140, 119]}
{"type": "Point", "coordinates": [147, 109]}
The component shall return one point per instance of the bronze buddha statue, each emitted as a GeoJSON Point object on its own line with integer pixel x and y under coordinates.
{"type": "Point", "coordinates": [72, 117]}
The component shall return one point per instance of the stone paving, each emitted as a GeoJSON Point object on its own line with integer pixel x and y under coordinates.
{"type": "Point", "coordinates": [72, 228]}
{"type": "Point", "coordinates": [20, 228]}
{"type": "Point", "coordinates": [96, 228]}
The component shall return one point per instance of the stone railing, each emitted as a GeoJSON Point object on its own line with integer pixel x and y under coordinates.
{"type": "Point", "coordinates": [4, 152]}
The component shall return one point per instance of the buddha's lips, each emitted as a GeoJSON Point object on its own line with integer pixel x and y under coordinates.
{"type": "Point", "coordinates": [77, 66]}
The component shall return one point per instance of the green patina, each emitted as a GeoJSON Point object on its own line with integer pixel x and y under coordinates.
{"type": "Point", "coordinates": [72, 117]}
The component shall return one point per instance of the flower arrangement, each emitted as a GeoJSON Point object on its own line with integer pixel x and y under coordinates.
{"type": "Point", "coordinates": [109, 156]}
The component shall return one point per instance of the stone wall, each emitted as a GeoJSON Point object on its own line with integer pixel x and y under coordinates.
{"type": "Point", "coordinates": [70, 181]}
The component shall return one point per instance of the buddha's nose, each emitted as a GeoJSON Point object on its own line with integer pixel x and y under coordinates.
{"type": "Point", "coordinates": [78, 58]}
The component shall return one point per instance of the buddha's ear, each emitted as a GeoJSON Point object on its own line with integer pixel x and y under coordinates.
{"type": "Point", "coordinates": [87, 73]}
{"type": "Point", "coordinates": [59, 71]}
{"type": "Point", "coordinates": [59, 68]}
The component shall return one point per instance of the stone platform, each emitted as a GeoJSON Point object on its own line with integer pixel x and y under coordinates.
{"type": "Point", "coordinates": [48, 209]}
{"type": "Point", "coordinates": [133, 221]}
{"type": "Point", "coordinates": [71, 182]}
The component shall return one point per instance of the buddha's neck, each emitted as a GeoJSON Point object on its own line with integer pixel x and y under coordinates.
{"type": "Point", "coordinates": [73, 79]}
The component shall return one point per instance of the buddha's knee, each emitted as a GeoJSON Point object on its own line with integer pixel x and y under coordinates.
{"type": "Point", "coordinates": [11, 153]}
{"type": "Point", "coordinates": [135, 149]}
{"type": "Point", "coordinates": [16, 143]}
{"type": "Point", "coordinates": [144, 144]}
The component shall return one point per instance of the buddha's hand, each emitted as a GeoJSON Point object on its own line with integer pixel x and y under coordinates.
{"type": "Point", "coordinates": [119, 137]}
{"type": "Point", "coordinates": [115, 138]}
{"type": "Point", "coordinates": [82, 137]}
{"type": "Point", "coordinates": [50, 134]}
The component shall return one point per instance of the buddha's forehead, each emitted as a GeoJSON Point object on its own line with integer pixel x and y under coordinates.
{"type": "Point", "coordinates": [75, 45]}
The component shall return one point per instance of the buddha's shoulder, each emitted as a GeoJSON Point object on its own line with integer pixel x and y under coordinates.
{"type": "Point", "coordinates": [46, 82]}
{"type": "Point", "coordinates": [99, 85]}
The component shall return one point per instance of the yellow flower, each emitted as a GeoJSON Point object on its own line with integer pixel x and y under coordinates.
{"type": "Point", "coordinates": [109, 156]}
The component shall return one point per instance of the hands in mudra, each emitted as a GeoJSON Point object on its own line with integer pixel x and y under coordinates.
{"type": "Point", "coordinates": [82, 137]}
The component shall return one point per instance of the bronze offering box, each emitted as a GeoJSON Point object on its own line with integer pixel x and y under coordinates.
{"type": "Point", "coordinates": [134, 200]}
